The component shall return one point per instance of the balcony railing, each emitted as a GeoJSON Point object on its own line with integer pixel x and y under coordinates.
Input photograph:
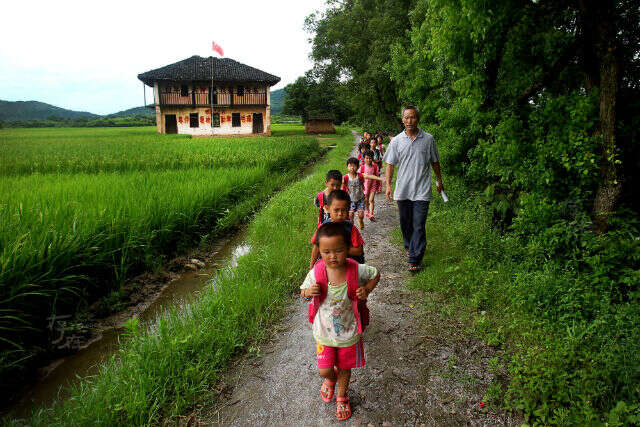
{"type": "Point", "coordinates": [200, 99]}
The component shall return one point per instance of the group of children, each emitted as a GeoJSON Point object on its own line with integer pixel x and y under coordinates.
{"type": "Point", "coordinates": [339, 281]}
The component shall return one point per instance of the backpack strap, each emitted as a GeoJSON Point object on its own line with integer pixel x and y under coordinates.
{"type": "Point", "coordinates": [320, 273]}
{"type": "Point", "coordinates": [321, 203]}
{"type": "Point", "coordinates": [360, 309]}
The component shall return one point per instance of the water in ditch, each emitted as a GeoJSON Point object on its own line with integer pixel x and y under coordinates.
{"type": "Point", "coordinates": [63, 373]}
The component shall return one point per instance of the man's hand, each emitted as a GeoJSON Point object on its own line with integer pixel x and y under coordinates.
{"type": "Point", "coordinates": [388, 194]}
{"type": "Point", "coordinates": [362, 292]}
{"type": "Point", "coordinates": [439, 187]}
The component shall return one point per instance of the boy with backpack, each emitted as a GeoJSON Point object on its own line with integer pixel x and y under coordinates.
{"type": "Point", "coordinates": [337, 205]}
{"type": "Point", "coordinates": [332, 182]}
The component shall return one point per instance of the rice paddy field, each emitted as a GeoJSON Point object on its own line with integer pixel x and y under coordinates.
{"type": "Point", "coordinates": [82, 210]}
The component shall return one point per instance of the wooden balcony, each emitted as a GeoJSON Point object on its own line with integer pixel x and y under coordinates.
{"type": "Point", "coordinates": [202, 99]}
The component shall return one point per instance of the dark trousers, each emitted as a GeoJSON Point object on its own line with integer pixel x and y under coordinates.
{"type": "Point", "coordinates": [413, 215]}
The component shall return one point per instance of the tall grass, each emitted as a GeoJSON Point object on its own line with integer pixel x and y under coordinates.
{"type": "Point", "coordinates": [69, 237]}
{"type": "Point", "coordinates": [166, 369]}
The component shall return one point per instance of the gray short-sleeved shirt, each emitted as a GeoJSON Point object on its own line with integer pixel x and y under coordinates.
{"type": "Point", "coordinates": [413, 160]}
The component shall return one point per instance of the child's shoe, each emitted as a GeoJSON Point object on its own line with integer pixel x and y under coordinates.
{"type": "Point", "coordinates": [343, 408]}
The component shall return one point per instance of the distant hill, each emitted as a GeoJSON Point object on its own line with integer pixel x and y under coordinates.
{"type": "Point", "coordinates": [34, 110]}
{"type": "Point", "coordinates": [30, 110]}
{"type": "Point", "coordinates": [135, 111]}
{"type": "Point", "coordinates": [277, 101]}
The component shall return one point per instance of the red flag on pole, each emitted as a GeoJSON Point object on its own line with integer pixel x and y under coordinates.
{"type": "Point", "coordinates": [217, 48]}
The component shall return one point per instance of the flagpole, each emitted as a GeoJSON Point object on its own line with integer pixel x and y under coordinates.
{"type": "Point", "coordinates": [211, 96]}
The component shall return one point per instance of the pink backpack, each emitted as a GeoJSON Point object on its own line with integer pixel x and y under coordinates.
{"type": "Point", "coordinates": [360, 309]}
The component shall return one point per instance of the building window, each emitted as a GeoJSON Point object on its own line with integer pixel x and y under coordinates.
{"type": "Point", "coordinates": [193, 120]}
{"type": "Point", "coordinates": [240, 90]}
{"type": "Point", "coordinates": [235, 120]}
{"type": "Point", "coordinates": [184, 90]}
{"type": "Point", "coordinates": [215, 120]}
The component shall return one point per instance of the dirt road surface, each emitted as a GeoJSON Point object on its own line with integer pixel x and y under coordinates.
{"type": "Point", "coordinates": [419, 371]}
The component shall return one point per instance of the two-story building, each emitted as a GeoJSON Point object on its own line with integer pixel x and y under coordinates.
{"type": "Point", "coordinates": [211, 96]}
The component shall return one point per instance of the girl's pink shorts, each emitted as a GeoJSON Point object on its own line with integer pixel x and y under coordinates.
{"type": "Point", "coordinates": [342, 357]}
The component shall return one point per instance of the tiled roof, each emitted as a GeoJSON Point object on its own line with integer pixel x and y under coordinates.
{"type": "Point", "coordinates": [197, 68]}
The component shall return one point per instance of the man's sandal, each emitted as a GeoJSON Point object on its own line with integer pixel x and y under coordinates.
{"type": "Point", "coordinates": [327, 389]}
{"type": "Point", "coordinates": [414, 268]}
{"type": "Point", "coordinates": [343, 408]}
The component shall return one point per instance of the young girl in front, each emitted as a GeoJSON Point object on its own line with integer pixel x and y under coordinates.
{"type": "Point", "coordinates": [338, 288]}
{"type": "Point", "coordinates": [371, 183]}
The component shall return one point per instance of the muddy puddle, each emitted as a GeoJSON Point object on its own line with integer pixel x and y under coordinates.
{"type": "Point", "coordinates": [59, 377]}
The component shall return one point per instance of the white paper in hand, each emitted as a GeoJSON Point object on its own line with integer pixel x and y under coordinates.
{"type": "Point", "coordinates": [444, 196]}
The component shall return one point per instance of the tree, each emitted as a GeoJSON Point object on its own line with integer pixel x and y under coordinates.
{"type": "Point", "coordinates": [319, 91]}
{"type": "Point", "coordinates": [354, 38]}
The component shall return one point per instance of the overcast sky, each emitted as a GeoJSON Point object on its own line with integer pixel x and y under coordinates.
{"type": "Point", "coordinates": [85, 55]}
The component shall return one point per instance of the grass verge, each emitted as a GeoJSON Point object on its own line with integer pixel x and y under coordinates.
{"type": "Point", "coordinates": [564, 323]}
{"type": "Point", "coordinates": [169, 367]}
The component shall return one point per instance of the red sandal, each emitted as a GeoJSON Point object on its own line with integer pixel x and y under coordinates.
{"type": "Point", "coordinates": [343, 406]}
{"type": "Point", "coordinates": [329, 387]}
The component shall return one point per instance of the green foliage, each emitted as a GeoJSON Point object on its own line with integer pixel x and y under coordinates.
{"type": "Point", "coordinates": [562, 305]}
{"type": "Point", "coordinates": [163, 371]}
{"type": "Point", "coordinates": [317, 92]}
{"type": "Point", "coordinates": [72, 229]}
{"type": "Point", "coordinates": [352, 38]}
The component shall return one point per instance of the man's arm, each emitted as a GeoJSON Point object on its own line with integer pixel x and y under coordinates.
{"type": "Point", "coordinates": [387, 179]}
{"type": "Point", "coordinates": [436, 170]}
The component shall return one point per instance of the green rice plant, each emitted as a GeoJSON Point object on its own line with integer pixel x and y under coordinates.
{"type": "Point", "coordinates": [68, 238]}
{"type": "Point", "coordinates": [168, 367]}
{"type": "Point", "coordinates": [95, 150]}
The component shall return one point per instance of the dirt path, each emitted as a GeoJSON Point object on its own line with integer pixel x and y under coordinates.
{"type": "Point", "coordinates": [418, 372]}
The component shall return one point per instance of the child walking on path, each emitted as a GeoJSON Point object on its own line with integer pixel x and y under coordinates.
{"type": "Point", "coordinates": [371, 183]}
{"type": "Point", "coordinates": [339, 288]}
{"type": "Point", "coordinates": [331, 182]}
{"type": "Point", "coordinates": [338, 204]}
{"type": "Point", "coordinates": [354, 184]}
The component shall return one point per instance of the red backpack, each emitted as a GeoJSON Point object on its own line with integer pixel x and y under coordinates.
{"type": "Point", "coordinates": [321, 203]}
{"type": "Point", "coordinates": [360, 309]}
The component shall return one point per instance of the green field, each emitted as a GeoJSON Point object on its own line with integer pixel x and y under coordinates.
{"type": "Point", "coordinates": [82, 210]}
{"type": "Point", "coordinates": [160, 373]}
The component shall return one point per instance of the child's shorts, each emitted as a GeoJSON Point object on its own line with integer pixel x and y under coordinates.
{"type": "Point", "coordinates": [358, 205]}
{"type": "Point", "coordinates": [342, 357]}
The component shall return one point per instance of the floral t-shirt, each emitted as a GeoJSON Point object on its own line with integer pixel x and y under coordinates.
{"type": "Point", "coordinates": [335, 324]}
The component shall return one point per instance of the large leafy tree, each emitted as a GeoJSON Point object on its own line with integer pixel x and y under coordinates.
{"type": "Point", "coordinates": [354, 38]}
{"type": "Point", "coordinates": [527, 94]}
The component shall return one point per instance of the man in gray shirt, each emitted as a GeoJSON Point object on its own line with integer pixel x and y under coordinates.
{"type": "Point", "coordinates": [414, 151]}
